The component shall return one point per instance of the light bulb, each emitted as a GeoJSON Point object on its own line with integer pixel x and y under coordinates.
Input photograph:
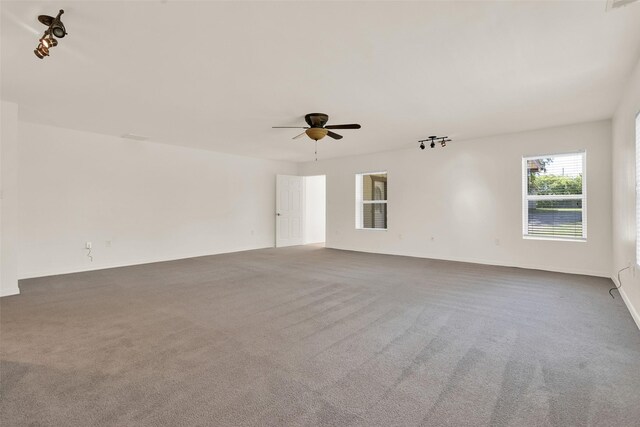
{"type": "Point", "coordinates": [41, 51]}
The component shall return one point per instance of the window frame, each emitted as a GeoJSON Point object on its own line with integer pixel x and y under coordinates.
{"type": "Point", "coordinates": [360, 202]}
{"type": "Point", "coordinates": [526, 197]}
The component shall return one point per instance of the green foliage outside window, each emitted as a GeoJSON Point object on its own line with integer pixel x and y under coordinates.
{"type": "Point", "coordinates": [554, 184]}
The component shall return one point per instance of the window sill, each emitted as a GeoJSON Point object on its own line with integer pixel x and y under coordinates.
{"type": "Point", "coordinates": [556, 239]}
{"type": "Point", "coordinates": [371, 229]}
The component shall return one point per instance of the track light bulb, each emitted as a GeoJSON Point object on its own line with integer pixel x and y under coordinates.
{"type": "Point", "coordinates": [443, 143]}
{"type": "Point", "coordinates": [422, 146]}
{"type": "Point", "coordinates": [48, 41]}
{"type": "Point", "coordinates": [41, 51]}
{"type": "Point", "coordinates": [432, 145]}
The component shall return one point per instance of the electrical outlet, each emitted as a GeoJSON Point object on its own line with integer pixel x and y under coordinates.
{"type": "Point", "coordinates": [87, 245]}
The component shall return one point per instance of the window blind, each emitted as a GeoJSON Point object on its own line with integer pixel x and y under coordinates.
{"type": "Point", "coordinates": [554, 196]}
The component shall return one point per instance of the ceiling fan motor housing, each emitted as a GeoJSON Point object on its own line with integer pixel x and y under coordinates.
{"type": "Point", "coordinates": [316, 120]}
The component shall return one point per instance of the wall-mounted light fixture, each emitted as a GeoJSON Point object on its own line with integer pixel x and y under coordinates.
{"type": "Point", "coordinates": [48, 40]}
{"type": "Point", "coordinates": [432, 140]}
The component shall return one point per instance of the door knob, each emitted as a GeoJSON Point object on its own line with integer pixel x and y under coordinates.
{"type": "Point", "coordinates": [278, 214]}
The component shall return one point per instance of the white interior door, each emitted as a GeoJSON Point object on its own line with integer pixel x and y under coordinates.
{"type": "Point", "coordinates": [289, 211]}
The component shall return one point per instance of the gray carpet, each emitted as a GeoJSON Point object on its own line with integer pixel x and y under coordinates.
{"type": "Point", "coordinates": [314, 336]}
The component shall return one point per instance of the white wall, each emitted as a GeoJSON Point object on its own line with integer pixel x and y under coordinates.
{"type": "Point", "coordinates": [151, 201]}
{"type": "Point", "coordinates": [8, 199]}
{"type": "Point", "coordinates": [464, 202]}
{"type": "Point", "coordinates": [624, 198]}
{"type": "Point", "coordinates": [314, 209]}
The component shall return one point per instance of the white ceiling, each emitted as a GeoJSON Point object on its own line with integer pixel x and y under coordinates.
{"type": "Point", "coordinates": [218, 75]}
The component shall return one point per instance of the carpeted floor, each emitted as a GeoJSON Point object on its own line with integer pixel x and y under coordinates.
{"type": "Point", "coordinates": [315, 336]}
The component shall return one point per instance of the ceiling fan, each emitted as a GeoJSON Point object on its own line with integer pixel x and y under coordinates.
{"type": "Point", "coordinates": [317, 129]}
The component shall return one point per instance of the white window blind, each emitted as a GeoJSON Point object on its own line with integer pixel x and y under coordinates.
{"type": "Point", "coordinates": [554, 196]}
{"type": "Point", "coordinates": [638, 189]}
{"type": "Point", "coordinates": [371, 200]}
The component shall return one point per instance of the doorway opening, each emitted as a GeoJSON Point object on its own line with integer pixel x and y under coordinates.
{"type": "Point", "coordinates": [315, 209]}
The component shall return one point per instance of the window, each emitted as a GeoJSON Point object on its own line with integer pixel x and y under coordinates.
{"type": "Point", "coordinates": [638, 189]}
{"type": "Point", "coordinates": [371, 201]}
{"type": "Point", "coordinates": [554, 196]}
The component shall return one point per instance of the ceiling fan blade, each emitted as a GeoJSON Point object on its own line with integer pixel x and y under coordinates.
{"type": "Point", "coordinates": [289, 127]}
{"type": "Point", "coordinates": [299, 136]}
{"type": "Point", "coordinates": [334, 135]}
{"type": "Point", "coordinates": [351, 126]}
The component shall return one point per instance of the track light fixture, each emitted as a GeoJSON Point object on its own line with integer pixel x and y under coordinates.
{"type": "Point", "coordinates": [432, 141]}
{"type": "Point", "coordinates": [55, 29]}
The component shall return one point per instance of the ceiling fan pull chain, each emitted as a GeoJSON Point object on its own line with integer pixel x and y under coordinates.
{"type": "Point", "coordinates": [316, 150]}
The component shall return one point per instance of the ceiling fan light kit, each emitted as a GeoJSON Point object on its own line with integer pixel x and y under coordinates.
{"type": "Point", "coordinates": [55, 29]}
{"type": "Point", "coordinates": [316, 133]}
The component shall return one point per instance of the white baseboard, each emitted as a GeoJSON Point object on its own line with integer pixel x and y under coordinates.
{"type": "Point", "coordinates": [9, 292]}
{"type": "Point", "coordinates": [36, 274]}
{"type": "Point", "coordinates": [627, 302]}
{"type": "Point", "coordinates": [554, 269]}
